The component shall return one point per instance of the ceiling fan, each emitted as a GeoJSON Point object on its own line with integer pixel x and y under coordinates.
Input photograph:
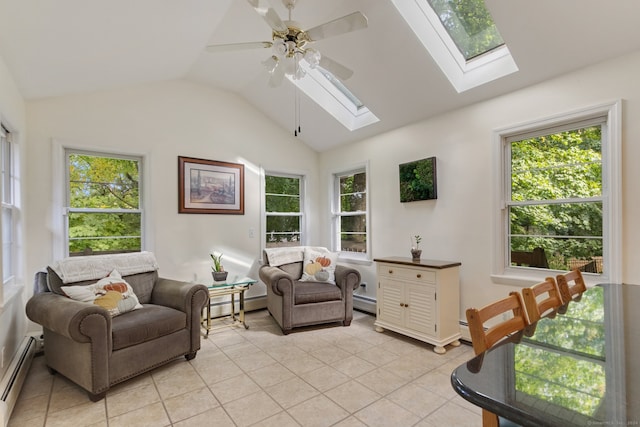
{"type": "Point", "coordinates": [291, 51]}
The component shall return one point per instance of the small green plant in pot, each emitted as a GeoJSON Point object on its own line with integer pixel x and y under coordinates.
{"type": "Point", "coordinates": [416, 252]}
{"type": "Point", "coordinates": [218, 273]}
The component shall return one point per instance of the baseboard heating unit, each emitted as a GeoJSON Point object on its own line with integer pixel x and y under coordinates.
{"type": "Point", "coordinates": [364, 303]}
{"type": "Point", "coordinates": [14, 377]}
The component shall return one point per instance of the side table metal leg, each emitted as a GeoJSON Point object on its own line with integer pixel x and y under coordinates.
{"type": "Point", "coordinates": [206, 322]}
{"type": "Point", "coordinates": [233, 306]}
{"type": "Point", "coordinates": [242, 309]}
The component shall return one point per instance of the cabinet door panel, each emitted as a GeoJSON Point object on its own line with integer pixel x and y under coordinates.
{"type": "Point", "coordinates": [420, 313]}
{"type": "Point", "coordinates": [389, 308]}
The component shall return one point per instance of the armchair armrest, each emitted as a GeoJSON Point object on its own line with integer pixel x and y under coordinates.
{"type": "Point", "coordinates": [190, 298]}
{"type": "Point", "coordinates": [278, 280]}
{"type": "Point", "coordinates": [79, 321]}
{"type": "Point", "coordinates": [347, 278]}
{"type": "Point", "coordinates": [182, 296]}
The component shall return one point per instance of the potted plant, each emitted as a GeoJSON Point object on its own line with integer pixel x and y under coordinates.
{"type": "Point", "coordinates": [218, 272]}
{"type": "Point", "coordinates": [416, 252]}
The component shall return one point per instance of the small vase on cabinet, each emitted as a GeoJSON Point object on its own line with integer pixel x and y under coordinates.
{"type": "Point", "coordinates": [416, 252]}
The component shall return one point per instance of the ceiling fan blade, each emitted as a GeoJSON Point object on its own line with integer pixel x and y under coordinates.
{"type": "Point", "coordinates": [237, 46]}
{"type": "Point", "coordinates": [265, 10]}
{"type": "Point", "coordinates": [346, 24]}
{"type": "Point", "coordinates": [335, 68]}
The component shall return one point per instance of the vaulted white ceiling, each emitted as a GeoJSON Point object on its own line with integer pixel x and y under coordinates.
{"type": "Point", "coordinates": [60, 47]}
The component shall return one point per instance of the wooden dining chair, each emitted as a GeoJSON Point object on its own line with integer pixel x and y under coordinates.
{"type": "Point", "coordinates": [548, 305]}
{"type": "Point", "coordinates": [571, 285]}
{"type": "Point", "coordinates": [484, 339]}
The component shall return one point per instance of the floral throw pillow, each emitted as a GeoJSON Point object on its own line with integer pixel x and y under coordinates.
{"type": "Point", "coordinates": [319, 266]}
{"type": "Point", "coordinates": [112, 293]}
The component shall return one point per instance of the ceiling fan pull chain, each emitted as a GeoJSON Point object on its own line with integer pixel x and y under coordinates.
{"type": "Point", "coordinates": [298, 108]}
{"type": "Point", "coordinates": [296, 112]}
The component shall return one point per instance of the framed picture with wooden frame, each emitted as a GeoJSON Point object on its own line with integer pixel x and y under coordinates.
{"type": "Point", "coordinates": [210, 186]}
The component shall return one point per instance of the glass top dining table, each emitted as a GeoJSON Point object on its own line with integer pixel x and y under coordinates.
{"type": "Point", "coordinates": [580, 367]}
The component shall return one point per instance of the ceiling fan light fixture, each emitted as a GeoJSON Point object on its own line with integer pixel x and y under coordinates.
{"type": "Point", "coordinates": [312, 57]}
{"type": "Point", "coordinates": [279, 48]}
{"type": "Point", "coordinates": [291, 47]}
{"type": "Point", "coordinates": [299, 70]}
{"type": "Point", "coordinates": [271, 63]}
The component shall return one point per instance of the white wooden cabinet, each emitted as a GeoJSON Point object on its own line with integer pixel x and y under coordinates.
{"type": "Point", "coordinates": [420, 299]}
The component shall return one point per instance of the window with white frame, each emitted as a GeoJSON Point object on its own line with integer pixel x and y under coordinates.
{"type": "Point", "coordinates": [560, 194]}
{"type": "Point", "coordinates": [103, 203]}
{"type": "Point", "coordinates": [8, 206]}
{"type": "Point", "coordinates": [284, 210]}
{"type": "Point", "coordinates": [350, 214]}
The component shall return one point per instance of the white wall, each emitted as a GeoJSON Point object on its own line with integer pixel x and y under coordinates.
{"type": "Point", "coordinates": [166, 120]}
{"type": "Point", "coordinates": [458, 225]}
{"type": "Point", "coordinates": [12, 320]}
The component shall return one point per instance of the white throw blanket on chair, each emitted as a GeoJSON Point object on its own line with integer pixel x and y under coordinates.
{"type": "Point", "coordinates": [95, 267]}
{"type": "Point", "coordinates": [282, 256]}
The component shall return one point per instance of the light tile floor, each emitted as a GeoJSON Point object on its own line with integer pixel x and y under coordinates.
{"type": "Point", "coordinates": [323, 376]}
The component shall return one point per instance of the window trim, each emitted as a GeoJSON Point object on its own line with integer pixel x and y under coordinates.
{"type": "Point", "coordinates": [59, 191]}
{"type": "Point", "coordinates": [7, 135]}
{"type": "Point", "coordinates": [611, 186]}
{"type": "Point", "coordinates": [334, 195]}
{"type": "Point", "coordinates": [304, 231]}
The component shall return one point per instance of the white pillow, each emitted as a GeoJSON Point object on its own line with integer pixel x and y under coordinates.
{"type": "Point", "coordinates": [111, 292]}
{"type": "Point", "coordinates": [319, 266]}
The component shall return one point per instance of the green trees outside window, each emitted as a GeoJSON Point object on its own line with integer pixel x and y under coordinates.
{"type": "Point", "coordinates": [469, 25]}
{"type": "Point", "coordinates": [283, 205]}
{"type": "Point", "coordinates": [104, 214]}
{"type": "Point", "coordinates": [556, 198]}
{"type": "Point", "coordinates": [352, 212]}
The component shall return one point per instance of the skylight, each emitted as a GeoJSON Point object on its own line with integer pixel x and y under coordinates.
{"type": "Point", "coordinates": [461, 37]}
{"type": "Point", "coordinates": [333, 96]}
{"type": "Point", "coordinates": [469, 25]}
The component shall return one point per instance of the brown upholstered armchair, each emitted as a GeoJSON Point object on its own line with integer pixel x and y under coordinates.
{"type": "Point", "coordinates": [294, 303]}
{"type": "Point", "coordinates": [83, 342]}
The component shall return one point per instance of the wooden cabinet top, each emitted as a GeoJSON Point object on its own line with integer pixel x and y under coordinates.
{"type": "Point", "coordinates": [428, 263]}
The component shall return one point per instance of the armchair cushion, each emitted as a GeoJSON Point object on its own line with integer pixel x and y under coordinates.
{"type": "Point", "coordinates": [146, 324]}
{"type": "Point", "coordinates": [312, 292]}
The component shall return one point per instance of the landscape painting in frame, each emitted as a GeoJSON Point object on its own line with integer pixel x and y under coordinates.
{"type": "Point", "coordinates": [210, 186]}
{"type": "Point", "coordinates": [418, 180]}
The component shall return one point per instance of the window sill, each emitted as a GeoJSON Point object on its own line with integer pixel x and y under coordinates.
{"type": "Point", "coordinates": [525, 277]}
{"type": "Point", "coordinates": [353, 260]}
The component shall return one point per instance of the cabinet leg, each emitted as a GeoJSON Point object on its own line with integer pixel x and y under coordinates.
{"type": "Point", "coordinates": [456, 343]}
{"type": "Point", "coordinates": [439, 349]}
{"type": "Point", "coordinates": [379, 329]}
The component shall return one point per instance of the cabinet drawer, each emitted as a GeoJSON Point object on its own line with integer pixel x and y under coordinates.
{"type": "Point", "coordinates": [407, 273]}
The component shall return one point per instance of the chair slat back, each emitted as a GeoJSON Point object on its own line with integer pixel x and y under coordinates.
{"type": "Point", "coordinates": [483, 340]}
{"type": "Point", "coordinates": [571, 284]}
{"type": "Point", "coordinates": [537, 308]}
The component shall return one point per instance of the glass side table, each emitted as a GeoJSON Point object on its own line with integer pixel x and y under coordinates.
{"type": "Point", "coordinates": [232, 286]}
